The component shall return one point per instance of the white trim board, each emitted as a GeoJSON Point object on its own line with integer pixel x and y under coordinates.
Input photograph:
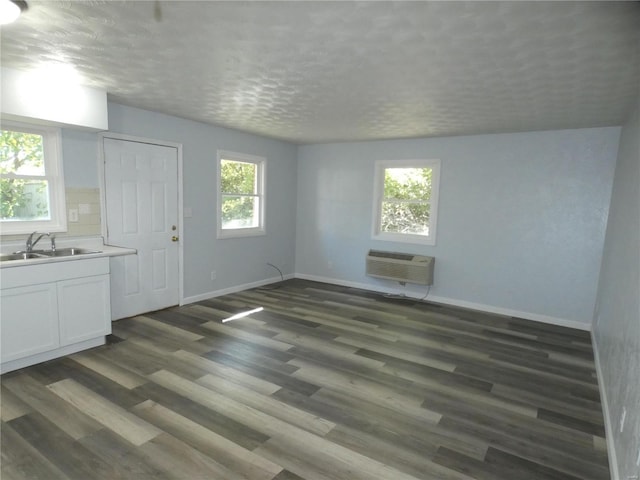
{"type": "Point", "coordinates": [561, 322]}
{"type": "Point", "coordinates": [608, 425]}
{"type": "Point", "coordinates": [238, 288]}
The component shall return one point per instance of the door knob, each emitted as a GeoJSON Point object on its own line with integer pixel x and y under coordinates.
{"type": "Point", "coordinates": [175, 238]}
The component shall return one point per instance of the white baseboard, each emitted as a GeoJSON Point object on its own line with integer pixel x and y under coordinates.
{"type": "Point", "coordinates": [454, 302]}
{"type": "Point", "coordinates": [561, 322]}
{"type": "Point", "coordinates": [608, 425]}
{"type": "Point", "coordinates": [235, 289]}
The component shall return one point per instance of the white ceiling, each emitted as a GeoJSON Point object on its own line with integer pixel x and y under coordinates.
{"type": "Point", "coordinates": [312, 72]}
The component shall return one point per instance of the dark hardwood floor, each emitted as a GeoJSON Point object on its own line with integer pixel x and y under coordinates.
{"type": "Point", "coordinates": [326, 382]}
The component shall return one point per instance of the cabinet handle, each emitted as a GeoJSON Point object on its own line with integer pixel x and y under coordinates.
{"type": "Point", "coordinates": [175, 238]}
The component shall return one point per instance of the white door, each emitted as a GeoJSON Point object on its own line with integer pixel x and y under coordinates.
{"type": "Point", "coordinates": [141, 186]}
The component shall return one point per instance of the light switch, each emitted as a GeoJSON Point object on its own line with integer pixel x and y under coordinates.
{"type": "Point", "coordinates": [73, 214]}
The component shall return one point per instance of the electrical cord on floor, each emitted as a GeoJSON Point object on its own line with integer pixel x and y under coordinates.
{"type": "Point", "coordinates": [425, 295]}
{"type": "Point", "coordinates": [402, 296]}
{"type": "Point", "coordinates": [279, 271]}
{"type": "Point", "coordinates": [281, 279]}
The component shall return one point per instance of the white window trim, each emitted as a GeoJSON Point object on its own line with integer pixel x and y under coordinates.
{"type": "Point", "coordinates": [261, 187]}
{"type": "Point", "coordinates": [380, 167]}
{"type": "Point", "coordinates": [54, 174]}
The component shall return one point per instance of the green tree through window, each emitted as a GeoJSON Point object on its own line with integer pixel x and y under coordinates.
{"type": "Point", "coordinates": [23, 191]}
{"type": "Point", "coordinates": [241, 194]}
{"type": "Point", "coordinates": [406, 202]}
{"type": "Point", "coordinates": [406, 193]}
{"type": "Point", "coordinates": [238, 185]}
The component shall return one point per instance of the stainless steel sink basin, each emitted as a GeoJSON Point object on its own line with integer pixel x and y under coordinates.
{"type": "Point", "coordinates": [20, 256]}
{"type": "Point", "coordinates": [68, 252]}
{"type": "Point", "coordinates": [61, 252]}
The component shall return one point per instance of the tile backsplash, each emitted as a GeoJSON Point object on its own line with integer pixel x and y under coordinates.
{"type": "Point", "coordinates": [83, 212]}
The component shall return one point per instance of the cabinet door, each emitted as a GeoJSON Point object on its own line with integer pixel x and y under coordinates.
{"type": "Point", "coordinates": [84, 309]}
{"type": "Point", "coordinates": [29, 320]}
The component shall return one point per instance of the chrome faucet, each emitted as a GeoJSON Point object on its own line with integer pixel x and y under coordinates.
{"type": "Point", "coordinates": [31, 243]}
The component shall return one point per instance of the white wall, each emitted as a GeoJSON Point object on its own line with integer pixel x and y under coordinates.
{"type": "Point", "coordinates": [236, 261]}
{"type": "Point", "coordinates": [521, 220]}
{"type": "Point", "coordinates": [617, 316]}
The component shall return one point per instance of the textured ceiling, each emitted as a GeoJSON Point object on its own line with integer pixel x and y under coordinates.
{"type": "Point", "coordinates": [330, 71]}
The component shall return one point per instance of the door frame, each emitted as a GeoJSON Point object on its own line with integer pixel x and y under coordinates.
{"type": "Point", "coordinates": [103, 193]}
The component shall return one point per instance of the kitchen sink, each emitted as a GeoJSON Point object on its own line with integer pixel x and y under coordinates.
{"type": "Point", "coordinates": [21, 256]}
{"type": "Point", "coordinates": [68, 252]}
{"type": "Point", "coordinates": [61, 252]}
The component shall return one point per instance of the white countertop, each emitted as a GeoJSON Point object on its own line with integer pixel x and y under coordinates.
{"type": "Point", "coordinates": [90, 243]}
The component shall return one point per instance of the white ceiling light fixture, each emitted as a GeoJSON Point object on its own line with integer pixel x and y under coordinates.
{"type": "Point", "coordinates": [10, 10]}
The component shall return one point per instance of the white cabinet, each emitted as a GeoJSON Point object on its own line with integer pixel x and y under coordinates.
{"type": "Point", "coordinates": [83, 309]}
{"type": "Point", "coordinates": [50, 310]}
{"type": "Point", "coordinates": [29, 320]}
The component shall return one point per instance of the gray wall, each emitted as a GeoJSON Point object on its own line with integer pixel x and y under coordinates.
{"type": "Point", "coordinates": [521, 220]}
{"type": "Point", "coordinates": [237, 261]}
{"type": "Point", "coordinates": [80, 158]}
{"type": "Point", "coordinates": [616, 328]}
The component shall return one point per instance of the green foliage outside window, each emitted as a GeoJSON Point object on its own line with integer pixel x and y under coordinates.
{"type": "Point", "coordinates": [406, 204]}
{"type": "Point", "coordinates": [24, 196]}
{"type": "Point", "coordinates": [238, 183]}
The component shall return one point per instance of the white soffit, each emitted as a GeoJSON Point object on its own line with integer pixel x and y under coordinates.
{"type": "Point", "coordinates": [47, 98]}
{"type": "Point", "coordinates": [312, 72]}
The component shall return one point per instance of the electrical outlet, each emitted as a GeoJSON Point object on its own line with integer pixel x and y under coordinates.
{"type": "Point", "coordinates": [330, 265]}
{"type": "Point", "coordinates": [213, 275]}
{"type": "Point", "coordinates": [623, 418]}
{"type": "Point", "coordinates": [73, 214]}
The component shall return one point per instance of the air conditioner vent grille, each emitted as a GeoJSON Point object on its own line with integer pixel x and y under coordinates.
{"type": "Point", "coordinates": [398, 256]}
{"type": "Point", "coordinates": [401, 267]}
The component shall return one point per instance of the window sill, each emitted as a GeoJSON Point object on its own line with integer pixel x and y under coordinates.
{"type": "Point", "coordinates": [241, 233]}
{"type": "Point", "coordinates": [405, 238]}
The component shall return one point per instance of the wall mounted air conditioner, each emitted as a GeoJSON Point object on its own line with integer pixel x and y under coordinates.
{"type": "Point", "coordinates": [401, 267]}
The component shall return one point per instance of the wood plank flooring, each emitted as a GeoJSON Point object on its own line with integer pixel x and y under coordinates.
{"type": "Point", "coordinates": [326, 382]}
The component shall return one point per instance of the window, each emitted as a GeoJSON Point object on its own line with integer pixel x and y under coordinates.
{"type": "Point", "coordinates": [31, 181]}
{"type": "Point", "coordinates": [406, 201]}
{"type": "Point", "coordinates": [240, 194]}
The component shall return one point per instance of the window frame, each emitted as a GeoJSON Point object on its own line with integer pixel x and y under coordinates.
{"type": "Point", "coordinates": [54, 175]}
{"type": "Point", "coordinates": [261, 174]}
{"type": "Point", "coordinates": [378, 198]}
